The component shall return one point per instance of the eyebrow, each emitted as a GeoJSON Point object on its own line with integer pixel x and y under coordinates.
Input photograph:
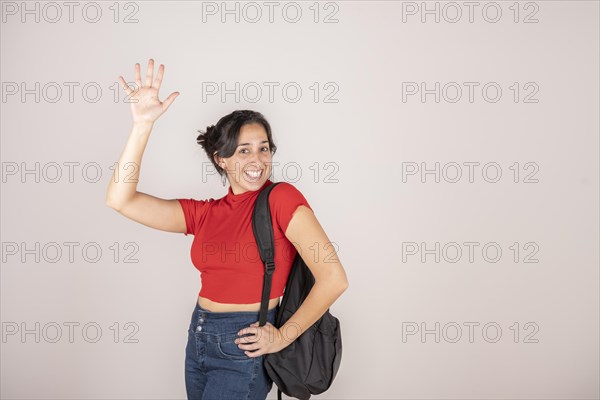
{"type": "Point", "coordinates": [246, 144]}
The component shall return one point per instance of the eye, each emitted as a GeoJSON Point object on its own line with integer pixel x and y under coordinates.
{"type": "Point", "coordinates": [265, 149]}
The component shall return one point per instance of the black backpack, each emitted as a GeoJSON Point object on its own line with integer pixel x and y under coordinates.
{"type": "Point", "coordinates": [309, 364]}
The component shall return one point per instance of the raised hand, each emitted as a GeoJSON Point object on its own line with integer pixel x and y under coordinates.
{"type": "Point", "coordinates": [145, 105]}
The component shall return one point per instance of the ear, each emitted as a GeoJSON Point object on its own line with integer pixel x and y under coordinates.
{"type": "Point", "coordinates": [217, 159]}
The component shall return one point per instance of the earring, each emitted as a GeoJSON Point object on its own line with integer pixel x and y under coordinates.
{"type": "Point", "coordinates": [224, 176]}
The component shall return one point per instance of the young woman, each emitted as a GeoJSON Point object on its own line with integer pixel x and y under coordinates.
{"type": "Point", "coordinates": [226, 347]}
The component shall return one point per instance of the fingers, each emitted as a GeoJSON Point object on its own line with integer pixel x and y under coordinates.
{"type": "Point", "coordinates": [255, 344]}
{"type": "Point", "coordinates": [251, 348]}
{"type": "Point", "coordinates": [255, 349]}
{"type": "Point", "coordinates": [125, 86]}
{"type": "Point", "coordinates": [254, 335]}
{"type": "Point", "coordinates": [252, 329]}
{"type": "Point", "coordinates": [255, 353]}
{"type": "Point", "coordinates": [150, 72]}
{"type": "Point", "coordinates": [138, 78]}
{"type": "Point", "coordinates": [159, 77]}
{"type": "Point", "coordinates": [169, 100]}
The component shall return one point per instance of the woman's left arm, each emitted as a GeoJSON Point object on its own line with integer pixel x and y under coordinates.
{"type": "Point", "coordinates": [306, 234]}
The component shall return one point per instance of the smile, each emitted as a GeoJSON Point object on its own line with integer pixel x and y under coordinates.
{"type": "Point", "coordinates": [254, 174]}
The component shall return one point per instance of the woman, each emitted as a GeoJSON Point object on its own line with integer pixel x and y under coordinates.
{"type": "Point", "coordinates": [226, 347]}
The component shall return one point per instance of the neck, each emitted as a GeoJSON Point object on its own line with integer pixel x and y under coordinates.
{"type": "Point", "coordinates": [238, 190]}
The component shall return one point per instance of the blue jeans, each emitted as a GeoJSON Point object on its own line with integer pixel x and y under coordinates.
{"type": "Point", "coordinates": [215, 367]}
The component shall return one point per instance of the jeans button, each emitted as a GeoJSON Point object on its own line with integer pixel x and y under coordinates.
{"type": "Point", "coordinates": [198, 329]}
{"type": "Point", "coordinates": [201, 320]}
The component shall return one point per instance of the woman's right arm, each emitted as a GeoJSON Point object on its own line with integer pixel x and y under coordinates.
{"type": "Point", "coordinates": [122, 194]}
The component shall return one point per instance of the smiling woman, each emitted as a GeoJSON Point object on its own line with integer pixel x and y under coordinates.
{"type": "Point", "coordinates": [240, 147]}
{"type": "Point", "coordinates": [225, 348]}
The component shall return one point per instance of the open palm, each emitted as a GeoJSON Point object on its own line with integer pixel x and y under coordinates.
{"type": "Point", "coordinates": [145, 105]}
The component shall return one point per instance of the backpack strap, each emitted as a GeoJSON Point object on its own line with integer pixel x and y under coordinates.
{"type": "Point", "coordinates": [263, 233]}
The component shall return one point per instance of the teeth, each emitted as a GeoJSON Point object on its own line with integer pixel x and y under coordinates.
{"type": "Point", "coordinates": [254, 174]}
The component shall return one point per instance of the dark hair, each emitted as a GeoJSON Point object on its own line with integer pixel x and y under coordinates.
{"type": "Point", "coordinates": [223, 137]}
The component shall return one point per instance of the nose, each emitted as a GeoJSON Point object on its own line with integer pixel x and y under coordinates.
{"type": "Point", "coordinates": [258, 160]}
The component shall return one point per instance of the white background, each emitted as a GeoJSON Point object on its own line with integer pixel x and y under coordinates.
{"type": "Point", "coordinates": [370, 135]}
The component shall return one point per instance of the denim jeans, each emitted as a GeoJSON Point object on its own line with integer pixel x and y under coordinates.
{"type": "Point", "coordinates": [215, 367]}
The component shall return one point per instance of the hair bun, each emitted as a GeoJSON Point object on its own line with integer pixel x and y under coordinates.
{"type": "Point", "coordinates": [207, 137]}
{"type": "Point", "coordinates": [222, 137]}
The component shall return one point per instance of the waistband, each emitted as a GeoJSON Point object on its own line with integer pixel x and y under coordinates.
{"type": "Point", "coordinates": [230, 315]}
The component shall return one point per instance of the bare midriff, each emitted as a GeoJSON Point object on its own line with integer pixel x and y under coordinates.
{"type": "Point", "coordinates": [230, 307]}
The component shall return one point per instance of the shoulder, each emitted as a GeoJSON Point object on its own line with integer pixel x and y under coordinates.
{"type": "Point", "coordinates": [284, 200]}
{"type": "Point", "coordinates": [196, 203]}
{"type": "Point", "coordinates": [195, 207]}
{"type": "Point", "coordinates": [194, 211]}
{"type": "Point", "coordinates": [285, 189]}
{"type": "Point", "coordinates": [286, 193]}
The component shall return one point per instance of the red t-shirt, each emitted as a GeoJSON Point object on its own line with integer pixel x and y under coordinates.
{"type": "Point", "coordinates": [224, 249]}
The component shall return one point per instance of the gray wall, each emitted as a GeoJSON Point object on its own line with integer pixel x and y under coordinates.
{"type": "Point", "coordinates": [528, 290]}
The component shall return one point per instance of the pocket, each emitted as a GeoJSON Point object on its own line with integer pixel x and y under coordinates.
{"type": "Point", "coordinates": [229, 350]}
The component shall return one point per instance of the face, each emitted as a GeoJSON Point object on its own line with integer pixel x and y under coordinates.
{"type": "Point", "coordinates": [252, 154]}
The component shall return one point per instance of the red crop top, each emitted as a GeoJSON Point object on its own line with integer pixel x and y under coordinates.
{"type": "Point", "coordinates": [224, 249]}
